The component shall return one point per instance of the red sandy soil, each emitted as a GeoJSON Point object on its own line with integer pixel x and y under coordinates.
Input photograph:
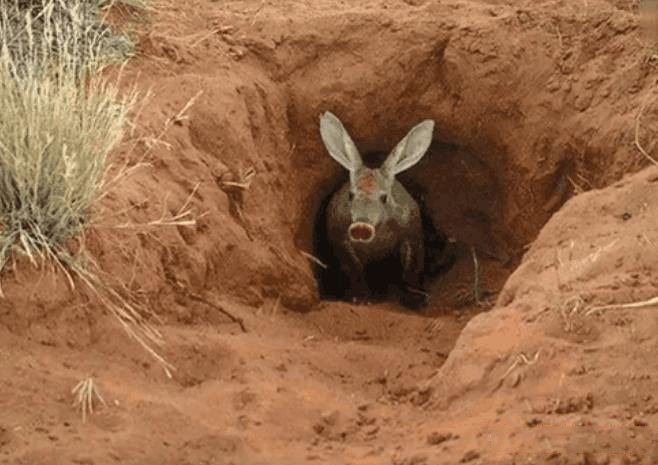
{"type": "Point", "coordinates": [535, 165]}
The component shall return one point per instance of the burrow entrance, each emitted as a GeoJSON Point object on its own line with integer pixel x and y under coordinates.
{"type": "Point", "coordinates": [497, 170]}
{"type": "Point", "coordinates": [458, 194]}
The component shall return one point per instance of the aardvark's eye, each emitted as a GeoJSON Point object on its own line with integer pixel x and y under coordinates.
{"type": "Point", "coordinates": [383, 198]}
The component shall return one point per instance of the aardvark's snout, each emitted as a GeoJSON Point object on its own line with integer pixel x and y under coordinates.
{"type": "Point", "coordinates": [361, 232]}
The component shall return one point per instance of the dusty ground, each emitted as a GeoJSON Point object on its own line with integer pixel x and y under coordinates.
{"type": "Point", "coordinates": [534, 165]}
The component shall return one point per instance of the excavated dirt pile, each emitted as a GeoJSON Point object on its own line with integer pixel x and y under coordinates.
{"type": "Point", "coordinates": [540, 169]}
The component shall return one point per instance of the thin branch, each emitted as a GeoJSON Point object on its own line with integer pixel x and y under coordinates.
{"type": "Point", "coordinates": [476, 280]}
{"type": "Point", "coordinates": [637, 136]}
{"type": "Point", "coordinates": [315, 260]}
{"type": "Point", "coordinates": [642, 304]}
{"type": "Point", "coordinates": [235, 319]}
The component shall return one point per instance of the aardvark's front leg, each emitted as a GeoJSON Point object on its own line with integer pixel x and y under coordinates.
{"type": "Point", "coordinates": [358, 291]}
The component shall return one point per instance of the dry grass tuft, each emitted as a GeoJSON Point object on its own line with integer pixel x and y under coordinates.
{"type": "Point", "coordinates": [60, 121]}
{"type": "Point", "coordinates": [85, 392]}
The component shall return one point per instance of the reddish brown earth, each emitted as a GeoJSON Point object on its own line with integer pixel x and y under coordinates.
{"type": "Point", "coordinates": [534, 165]}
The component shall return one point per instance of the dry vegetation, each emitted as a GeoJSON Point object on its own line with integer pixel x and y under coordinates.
{"type": "Point", "coordinates": [61, 119]}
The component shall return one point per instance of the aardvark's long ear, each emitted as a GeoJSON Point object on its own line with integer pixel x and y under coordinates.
{"type": "Point", "coordinates": [338, 142]}
{"type": "Point", "coordinates": [409, 150]}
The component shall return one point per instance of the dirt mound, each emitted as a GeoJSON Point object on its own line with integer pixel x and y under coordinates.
{"type": "Point", "coordinates": [561, 352]}
{"type": "Point", "coordinates": [536, 105]}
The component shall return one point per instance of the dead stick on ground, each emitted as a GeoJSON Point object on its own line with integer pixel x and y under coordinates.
{"type": "Point", "coordinates": [637, 137]}
{"type": "Point", "coordinates": [314, 259]}
{"type": "Point", "coordinates": [643, 304]}
{"type": "Point", "coordinates": [520, 359]}
{"type": "Point", "coordinates": [235, 319]}
{"type": "Point", "coordinates": [476, 282]}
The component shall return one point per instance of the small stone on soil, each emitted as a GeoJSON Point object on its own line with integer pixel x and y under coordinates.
{"type": "Point", "coordinates": [470, 456]}
{"type": "Point", "coordinates": [533, 422]}
{"type": "Point", "coordinates": [330, 418]}
{"type": "Point", "coordinates": [422, 397]}
{"type": "Point", "coordinates": [434, 439]}
{"type": "Point", "coordinates": [372, 431]}
{"type": "Point", "coordinates": [281, 367]}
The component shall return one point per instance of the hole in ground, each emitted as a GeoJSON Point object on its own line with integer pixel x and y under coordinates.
{"type": "Point", "coordinates": [475, 184]}
{"type": "Point", "coordinates": [446, 172]}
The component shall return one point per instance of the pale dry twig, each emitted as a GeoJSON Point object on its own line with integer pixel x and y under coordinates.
{"type": "Point", "coordinates": [85, 392]}
{"type": "Point", "coordinates": [641, 304]}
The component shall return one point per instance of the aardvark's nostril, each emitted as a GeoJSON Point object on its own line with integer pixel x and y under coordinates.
{"type": "Point", "coordinates": [362, 232]}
